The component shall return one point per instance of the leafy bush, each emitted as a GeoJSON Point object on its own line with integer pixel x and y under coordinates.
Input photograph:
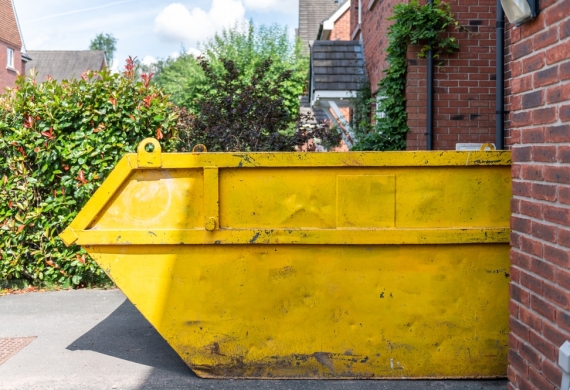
{"type": "Point", "coordinates": [58, 142]}
{"type": "Point", "coordinates": [362, 111]}
{"type": "Point", "coordinates": [236, 114]}
{"type": "Point", "coordinates": [248, 47]}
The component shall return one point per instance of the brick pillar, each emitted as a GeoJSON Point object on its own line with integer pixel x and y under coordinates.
{"type": "Point", "coordinates": [538, 130]}
{"type": "Point", "coordinates": [375, 25]}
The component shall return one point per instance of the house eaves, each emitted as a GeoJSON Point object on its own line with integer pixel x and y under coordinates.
{"type": "Point", "coordinates": [23, 49]}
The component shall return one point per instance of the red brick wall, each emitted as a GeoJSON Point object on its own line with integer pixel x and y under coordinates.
{"type": "Point", "coordinates": [538, 129]}
{"type": "Point", "coordinates": [464, 88]}
{"type": "Point", "coordinates": [8, 76]}
{"type": "Point", "coordinates": [341, 31]}
{"type": "Point", "coordinates": [374, 40]}
{"type": "Point", "coordinates": [354, 18]}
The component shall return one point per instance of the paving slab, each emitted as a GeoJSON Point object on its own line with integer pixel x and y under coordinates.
{"type": "Point", "coordinates": [96, 339]}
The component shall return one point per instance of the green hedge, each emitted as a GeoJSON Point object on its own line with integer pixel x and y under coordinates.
{"type": "Point", "coordinates": [58, 142]}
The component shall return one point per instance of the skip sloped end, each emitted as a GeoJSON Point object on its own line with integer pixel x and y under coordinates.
{"type": "Point", "coordinates": [68, 236]}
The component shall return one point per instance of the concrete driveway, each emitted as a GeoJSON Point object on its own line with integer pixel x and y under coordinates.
{"type": "Point", "coordinates": [96, 339]}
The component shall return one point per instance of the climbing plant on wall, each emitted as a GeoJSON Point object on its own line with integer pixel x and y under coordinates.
{"type": "Point", "coordinates": [361, 110]}
{"type": "Point", "coordinates": [413, 24]}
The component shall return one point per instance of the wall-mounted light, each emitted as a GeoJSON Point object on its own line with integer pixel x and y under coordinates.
{"type": "Point", "coordinates": [520, 11]}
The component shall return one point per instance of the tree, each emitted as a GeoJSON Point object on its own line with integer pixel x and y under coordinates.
{"type": "Point", "coordinates": [235, 114]}
{"type": "Point", "coordinates": [247, 47]}
{"type": "Point", "coordinates": [107, 43]}
{"type": "Point", "coordinates": [181, 78]}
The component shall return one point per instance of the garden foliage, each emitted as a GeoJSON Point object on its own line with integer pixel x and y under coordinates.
{"type": "Point", "coordinates": [235, 114]}
{"type": "Point", "coordinates": [58, 142]}
{"type": "Point", "coordinates": [361, 111]}
{"type": "Point", "coordinates": [247, 46]}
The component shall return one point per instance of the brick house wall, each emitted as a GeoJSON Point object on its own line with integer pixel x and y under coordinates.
{"type": "Point", "coordinates": [341, 31]}
{"type": "Point", "coordinates": [375, 23]}
{"type": "Point", "coordinates": [8, 76]}
{"type": "Point", "coordinates": [538, 130]}
{"type": "Point", "coordinates": [464, 87]}
{"type": "Point", "coordinates": [354, 27]}
{"type": "Point", "coordinates": [9, 38]}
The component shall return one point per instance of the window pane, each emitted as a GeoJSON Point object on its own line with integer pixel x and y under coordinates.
{"type": "Point", "coordinates": [10, 58]}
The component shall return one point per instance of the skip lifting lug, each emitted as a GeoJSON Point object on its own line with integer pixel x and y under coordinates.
{"type": "Point", "coordinates": [149, 154]}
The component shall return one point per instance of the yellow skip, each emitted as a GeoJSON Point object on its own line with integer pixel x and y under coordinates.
{"type": "Point", "coordinates": [312, 265]}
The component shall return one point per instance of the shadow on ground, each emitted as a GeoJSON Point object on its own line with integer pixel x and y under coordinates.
{"type": "Point", "coordinates": [127, 335]}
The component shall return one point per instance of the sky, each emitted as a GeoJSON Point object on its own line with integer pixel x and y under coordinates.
{"type": "Point", "coordinates": [147, 29]}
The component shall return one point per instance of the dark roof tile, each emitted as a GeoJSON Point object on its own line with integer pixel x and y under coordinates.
{"type": "Point", "coordinates": [337, 66]}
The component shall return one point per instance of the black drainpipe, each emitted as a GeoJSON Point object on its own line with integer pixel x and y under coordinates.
{"type": "Point", "coordinates": [500, 104]}
{"type": "Point", "coordinates": [429, 133]}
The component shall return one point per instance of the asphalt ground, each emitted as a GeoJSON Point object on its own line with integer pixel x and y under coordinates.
{"type": "Point", "coordinates": [96, 339]}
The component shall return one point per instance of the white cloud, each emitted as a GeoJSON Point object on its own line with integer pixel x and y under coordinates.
{"type": "Point", "coordinates": [288, 6]}
{"type": "Point", "coordinates": [178, 24]}
{"type": "Point", "coordinates": [148, 60]}
{"type": "Point", "coordinates": [194, 52]}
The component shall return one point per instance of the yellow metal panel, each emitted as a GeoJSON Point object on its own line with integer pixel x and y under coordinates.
{"type": "Point", "coordinates": [101, 197]}
{"type": "Point", "coordinates": [163, 199]}
{"type": "Point", "coordinates": [453, 197]}
{"type": "Point", "coordinates": [307, 197]}
{"type": "Point", "coordinates": [323, 311]}
{"type": "Point", "coordinates": [313, 265]}
{"type": "Point", "coordinates": [298, 198]}
{"type": "Point", "coordinates": [365, 201]}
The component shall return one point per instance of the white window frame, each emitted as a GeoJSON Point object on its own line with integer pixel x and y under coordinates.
{"type": "Point", "coordinates": [10, 58]}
